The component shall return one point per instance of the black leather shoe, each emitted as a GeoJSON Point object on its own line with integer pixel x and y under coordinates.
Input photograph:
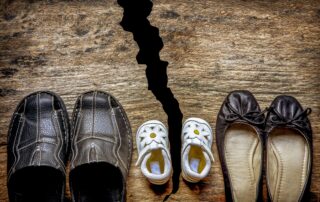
{"type": "Point", "coordinates": [288, 150]}
{"type": "Point", "coordinates": [37, 151]}
{"type": "Point", "coordinates": [239, 136]}
{"type": "Point", "coordinates": [101, 148]}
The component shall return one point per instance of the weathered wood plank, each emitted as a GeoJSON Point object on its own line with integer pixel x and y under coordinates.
{"type": "Point", "coordinates": [213, 47]}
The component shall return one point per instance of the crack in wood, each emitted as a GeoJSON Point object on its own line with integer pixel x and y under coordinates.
{"type": "Point", "coordinates": [150, 43]}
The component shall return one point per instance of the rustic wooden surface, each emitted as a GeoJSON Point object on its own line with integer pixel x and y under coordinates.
{"type": "Point", "coordinates": [213, 47]}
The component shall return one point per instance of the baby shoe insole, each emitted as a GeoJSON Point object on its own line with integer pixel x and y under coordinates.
{"type": "Point", "coordinates": [96, 182]}
{"type": "Point", "coordinates": [288, 159]}
{"type": "Point", "coordinates": [155, 163]}
{"type": "Point", "coordinates": [243, 160]}
{"type": "Point", "coordinates": [194, 164]}
{"type": "Point", "coordinates": [197, 161]}
{"type": "Point", "coordinates": [155, 167]}
{"type": "Point", "coordinates": [38, 183]}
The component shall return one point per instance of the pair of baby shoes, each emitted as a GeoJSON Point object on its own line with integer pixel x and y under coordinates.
{"type": "Point", "coordinates": [154, 156]}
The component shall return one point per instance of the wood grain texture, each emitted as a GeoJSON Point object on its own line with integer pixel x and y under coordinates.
{"type": "Point", "coordinates": [213, 47]}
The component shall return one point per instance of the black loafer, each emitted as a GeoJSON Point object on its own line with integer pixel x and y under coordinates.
{"type": "Point", "coordinates": [288, 150]}
{"type": "Point", "coordinates": [101, 148]}
{"type": "Point", "coordinates": [239, 136]}
{"type": "Point", "coordinates": [37, 149]}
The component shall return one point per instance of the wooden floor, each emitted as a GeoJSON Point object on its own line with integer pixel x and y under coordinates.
{"type": "Point", "coordinates": [213, 47]}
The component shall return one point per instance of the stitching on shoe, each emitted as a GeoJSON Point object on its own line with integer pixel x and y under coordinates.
{"type": "Point", "coordinates": [16, 160]}
{"type": "Point", "coordinates": [15, 148]}
{"type": "Point", "coordinates": [74, 148]}
{"type": "Point", "coordinates": [94, 108]}
{"type": "Point", "coordinates": [16, 145]}
{"type": "Point", "coordinates": [73, 134]}
{"type": "Point", "coordinates": [251, 181]}
{"type": "Point", "coordinates": [59, 146]}
{"type": "Point", "coordinates": [128, 131]}
{"type": "Point", "coordinates": [65, 130]}
{"type": "Point", "coordinates": [254, 146]}
{"type": "Point", "coordinates": [98, 138]}
{"type": "Point", "coordinates": [77, 132]}
{"type": "Point", "coordinates": [129, 138]}
{"type": "Point", "coordinates": [278, 188]}
{"type": "Point", "coordinates": [18, 141]}
{"type": "Point", "coordinates": [53, 118]}
{"type": "Point", "coordinates": [231, 170]}
{"type": "Point", "coordinates": [25, 101]}
{"type": "Point", "coordinates": [75, 129]}
{"type": "Point", "coordinates": [116, 137]}
{"type": "Point", "coordinates": [127, 128]}
{"type": "Point", "coordinates": [25, 146]}
{"type": "Point", "coordinates": [14, 140]}
{"type": "Point", "coordinates": [38, 117]}
{"type": "Point", "coordinates": [278, 163]}
{"type": "Point", "coordinates": [62, 109]}
{"type": "Point", "coordinates": [302, 184]}
{"type": "Point", "coordinates": [15, 114]}
{"type": "Point", "coordinates": [75, 114]}
{"type": "Point", "coordinates": [120, 143]}
{"type": "Point", "coordinates": [303, 170]}
{"type": "Point", "coordinates": [231, 176]}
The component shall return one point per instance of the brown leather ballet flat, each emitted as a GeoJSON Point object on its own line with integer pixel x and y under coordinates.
{"type": "Point", "coordinates": [239, 137]}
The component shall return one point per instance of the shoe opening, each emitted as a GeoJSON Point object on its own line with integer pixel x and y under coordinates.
{"type": "Point", "coordinates": [37, 183]}
{"type": "Point", "coordinates": [196, 159]}
{"type": "Point", "coordinates": [155, 163]}
{"type": "Point", "coordinates": [96, 182]}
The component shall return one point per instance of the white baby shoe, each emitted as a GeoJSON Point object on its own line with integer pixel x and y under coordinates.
{"type": "Point", "coordinates": [153, 151]}
{"type": "Point", "coordinates": [196, 154]}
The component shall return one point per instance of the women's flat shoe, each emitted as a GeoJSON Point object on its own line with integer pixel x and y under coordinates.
{"type": "Point", "coordinates": [239, 136]}
{"type": "Point", "coordinates": [153, 152]}
{"type": "Point", "coordinates": [288, 150]}
{"type": "Point", "coordinates": [37, 149]}
{"type": "Point", "coordinates": [196, 154]}
{"type": "Point", "coordinates": [101, 149]}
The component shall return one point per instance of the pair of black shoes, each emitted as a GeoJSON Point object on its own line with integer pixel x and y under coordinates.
{"type": "Point", "coordinates": [279, 143]}
{"type": "Point", "coordinates": [41, 141]}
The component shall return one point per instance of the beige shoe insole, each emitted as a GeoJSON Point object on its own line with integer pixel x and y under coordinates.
{"type": "Point", "coordinates": [288, 161]}
{"type": "Point", "coordinates": [243, 160]}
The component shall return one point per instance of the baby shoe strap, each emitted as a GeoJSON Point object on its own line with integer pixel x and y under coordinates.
{"type": "Point", "coordinates": [148, 148]}
{"type": "Point", "coordinates": [197, 142]}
